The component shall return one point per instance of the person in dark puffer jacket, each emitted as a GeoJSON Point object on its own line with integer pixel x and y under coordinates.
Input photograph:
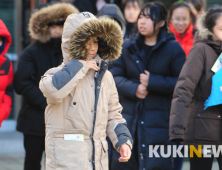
{"type": "Point", "coordinates": [145, 77]}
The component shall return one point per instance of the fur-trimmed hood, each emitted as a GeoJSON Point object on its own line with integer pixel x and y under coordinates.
{"type": "Point", "coordinates": [79, 28]}
{"type": "Point", "coordinates": [203, 35]}
{"type": "Point", "coordinates": [38, 23]}
{"type": "Point", "coordinates": [8, 40]}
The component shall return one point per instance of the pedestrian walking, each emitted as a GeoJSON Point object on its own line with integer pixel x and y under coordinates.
{"type": "Point", "coordinates": [190, 123]}
{"type": "Point", "coordinates": [6, 73]}
{"type": "Point", "coordinates": [145, 76]}
{"type": "Point", "coordinates": [45, 52]}
{"type": "Point", "coordinates": [181, 24]}
{"type": "Point", "coordinates": [83, 105]}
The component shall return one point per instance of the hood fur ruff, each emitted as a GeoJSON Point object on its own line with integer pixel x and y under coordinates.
{"type": "Point", "coordinates": [204, 33]}
{"type": "Point", "coordinates": [105, 29]}
{"type": "Point", "coordinates": [38, 23]}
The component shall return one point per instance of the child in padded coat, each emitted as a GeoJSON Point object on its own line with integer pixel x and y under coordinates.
{"type": "Point", "coordinates": [83, 105]}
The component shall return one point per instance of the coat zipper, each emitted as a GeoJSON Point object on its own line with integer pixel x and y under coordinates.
{"type": "Point", "coordinates": [94, 120]}
{"type": "Point", "coordinates": [141, 156]}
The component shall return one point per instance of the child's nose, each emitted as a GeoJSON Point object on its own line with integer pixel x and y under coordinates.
{"type": "Point", "coordinates": [93, 47]}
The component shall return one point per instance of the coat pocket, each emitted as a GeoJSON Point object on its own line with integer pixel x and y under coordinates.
{"type": "Point", "coordinates": [75, 98]}
{"type": "Point", "coordinates": [104, 155]}
{"type": "Point", "coordinates": [70, 154]}
{"type": "Point", "coordinates": [207, 129]}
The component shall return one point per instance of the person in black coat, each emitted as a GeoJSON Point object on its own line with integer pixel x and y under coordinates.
{"type": "Point", "coordinates": [145, 76]}
{"type": "Point", "coordinates": [45, 52]}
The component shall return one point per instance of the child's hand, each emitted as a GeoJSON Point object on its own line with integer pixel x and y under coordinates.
{"type": "Point", "coordinates": [141, 92]}
{"type": "Point", "coordinates": [144, 78]}
{"type": "Point", "coordinates": [92, 65]}
{"type": "Point", "coordinates": [125, 153]}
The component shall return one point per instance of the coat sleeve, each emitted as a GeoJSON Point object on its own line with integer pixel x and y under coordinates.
{"type": "Point", "coordinates": [125, 86]}
{"type": "Point", "coordinates": [164, 84]}
{"type": "Point", "coordinates": [184, 91]}
{"type": "Point", "coordinates": [57, 83]}
{"type": "Point", "coordinates": [116, 127]}
{"type": "Point", "coordinates": [8, 93]}
{"type": "Point", "coordinates": [24, 81]}
{"type": "Point", "coordinates": [7, 98]}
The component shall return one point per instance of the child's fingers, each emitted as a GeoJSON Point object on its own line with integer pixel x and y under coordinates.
{"type": "Point", "coordinates": [93, 66]}
{"type": "Point", "coordinates": [123, 159]}
{"type": "Point", "coordinates": [146, 72]}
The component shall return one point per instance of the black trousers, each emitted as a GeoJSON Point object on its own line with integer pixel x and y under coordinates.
{"type": "Point", "coordinates": [34, 147]}
{"type": "Point", "coordinates": [204, 163]}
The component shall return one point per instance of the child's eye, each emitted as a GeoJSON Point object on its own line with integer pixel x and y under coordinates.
{"type": "Point", "coordinates": [96, 42]}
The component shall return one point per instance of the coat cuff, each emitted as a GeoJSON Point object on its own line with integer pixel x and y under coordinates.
{"type": "Point", "coordinates": [176, 135]}
{"type": "Point", "coordinates": [123, 135]}
{"type": "Point", "coordinates": [148, 81]}
{"type": "Point", "coordinates": [151, 82]}
{"type": "Point", "coordinates": [131, 92]}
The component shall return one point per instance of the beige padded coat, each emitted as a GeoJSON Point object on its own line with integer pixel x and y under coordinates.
{"type": "Point", "coordinates": [78, 103]}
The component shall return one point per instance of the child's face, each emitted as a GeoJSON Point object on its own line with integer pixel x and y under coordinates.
{"type": "Point", "coordinates": [92, 47]}
{"type": "Point", "coordinates": [131, 12]}
{"type": "Point", "coordinates": [217, 29]}
{"type": "Point", "coordinates": [56, 31]}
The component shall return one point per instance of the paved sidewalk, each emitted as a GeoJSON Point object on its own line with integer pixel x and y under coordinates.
{"type": "Point", "coordinates": [12, 153]}
{"type": "Point", "coordinates": [12, 161]}
{"type": "Point", "coordinates": [11, 142]}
